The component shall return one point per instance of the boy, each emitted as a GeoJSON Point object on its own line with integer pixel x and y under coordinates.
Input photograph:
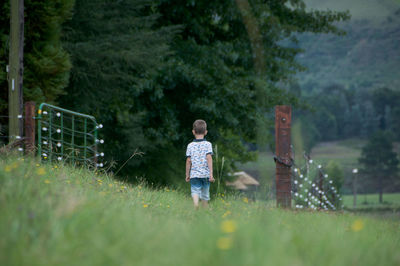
{"type": "Point", "coordinates": [199, 168]}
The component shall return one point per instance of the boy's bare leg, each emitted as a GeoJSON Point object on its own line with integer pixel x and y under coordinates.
{"type": "Point", "coordinates": [196, 201]}
{"type": "Point", "coordinates": [204, 204]}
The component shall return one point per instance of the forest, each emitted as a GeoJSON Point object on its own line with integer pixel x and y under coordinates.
{"type": "Point", "coordinates": [147, 69]}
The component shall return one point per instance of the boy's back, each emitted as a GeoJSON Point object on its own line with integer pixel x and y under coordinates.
{"type": "Point", "coordinates": [198, 151]}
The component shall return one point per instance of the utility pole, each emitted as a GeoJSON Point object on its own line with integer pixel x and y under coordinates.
{"type": "Point", "coordinates": [16, 69]}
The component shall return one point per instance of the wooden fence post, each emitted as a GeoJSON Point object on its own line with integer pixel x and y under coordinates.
{"type": "Point", "coordinates": [30, 127]}
{"type": "Point", "coordinates": [320, 186]}
{"type": "Point", "coordinates": [283, 116]}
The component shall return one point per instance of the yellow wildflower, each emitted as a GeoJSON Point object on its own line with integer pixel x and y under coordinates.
{"type": "Point", "coordinates": [37, 165]}
{"type": "Point", "coordinates": [167, 206]}
{"type": "Point", "coordinates": [228, 226]}
{"type": "Point", "coordinates": [7, 168]}
{"type": "Point", "coordinates": [55, 166]}
{"type": "Point", "coordinates": [41, 171]}
{"type": "Point", "coordinates": [224, 243]}
{"type": "Point", "coordinates": [245, 200]}
{"type": "Point", "coordinates": [47, 181]}
{"type": "Point", "coordinates": [145, 205]}
{"type": "Point", "coordinates": [140, 187]}
{"type": "Point", "coordinates": [226, 214]}
{"type": "Point", "coordinates": [357, 225]}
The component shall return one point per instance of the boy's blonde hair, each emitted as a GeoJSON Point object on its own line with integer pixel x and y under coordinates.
{"type": "Point", "coordinates": [199, 127]}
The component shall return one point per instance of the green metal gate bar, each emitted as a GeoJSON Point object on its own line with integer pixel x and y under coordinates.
{"type": "Point", "coordinates": [63, 122]}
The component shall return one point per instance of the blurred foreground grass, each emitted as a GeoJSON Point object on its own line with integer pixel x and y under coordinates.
{"type": "Point", "coordinates": [59, 215]}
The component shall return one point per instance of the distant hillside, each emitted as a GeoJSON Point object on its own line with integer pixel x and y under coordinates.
{"type": "Point", "coordinates": [367, 57]}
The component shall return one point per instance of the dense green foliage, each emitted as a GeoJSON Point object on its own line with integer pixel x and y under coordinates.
{"type": "Point", "coordinates": [365, 58]}
{"type": "Point", "coordinates": [46, 64]}
{"type": "Point", "coordinates": [339, 113]}
{"type": "Point", "coordinates": [379, 161]}
{"type": "Point", "coordinates": [58, 215]}
{"type": "Point", "coordinates": [147, 70]}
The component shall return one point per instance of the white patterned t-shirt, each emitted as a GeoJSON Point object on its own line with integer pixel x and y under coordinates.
{"type": "Point", "coordinates": [197, 151]}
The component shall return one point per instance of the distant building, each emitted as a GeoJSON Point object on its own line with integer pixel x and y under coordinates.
{"type": "Point", "coordinates": [244, 183]}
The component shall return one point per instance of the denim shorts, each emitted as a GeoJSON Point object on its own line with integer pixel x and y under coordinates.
{"type": "Point", "coordinates": [201, 187]}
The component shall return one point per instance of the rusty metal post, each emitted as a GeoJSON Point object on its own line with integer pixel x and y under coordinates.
{"type": "Point", "coordinates": [283, 117]}
{"type": "Point", "coordinates": [29, 127]}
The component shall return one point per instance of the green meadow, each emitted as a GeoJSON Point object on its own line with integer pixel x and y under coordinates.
{"type": "Point", "coordinates": [61, 215]}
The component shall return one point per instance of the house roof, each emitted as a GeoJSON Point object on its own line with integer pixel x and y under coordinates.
{"type": "Point", "coordinates": [242, 181]}
{"type": "Point", "coordinates": [246, 178]}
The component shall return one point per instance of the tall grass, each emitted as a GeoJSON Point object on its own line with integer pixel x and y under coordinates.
{"type": "Point", "coordinates": [59, 215]}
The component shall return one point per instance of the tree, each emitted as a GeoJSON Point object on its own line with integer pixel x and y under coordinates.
{"type": "Point", "coordinates": [46, 63]}
{"type": "Point", "coordinates": [383, 98]}
{"type": "Point", "coordinates": [379, 161]}
{"type": "Point", "coordinates": [148, 93]}
{"type": "Point", "coordinates": [335, 173]}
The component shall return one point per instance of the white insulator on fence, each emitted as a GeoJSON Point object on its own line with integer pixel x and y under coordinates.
{"type": "Point", "coordinates": [44, 128]}
{"type": "Point", "coordinates": [300, 196]}
{"type": "Point", "coordinates": [296, 194]}
{"type": "Point", "coordinates": [101, 141]}
{"type": "Point", "coordinates": [313, 185]}
{"type": "Point", "coordinates": [330, 181]}
{"type": "Point", "coordinates": [305, 179]}
{"type": "Point", "coordinates": [319, 166]}
{"type": "Point", "coordinates": [58, 130]}
{"type": "Point", "coordinates": [301, 185]}
{"type": "Point", "coordinates": [59, 158]}
{"type": "Point", "coordinates": [58, 114]}
{"type": "Point", "coordinates": [19, 116]}
{"type": "Point", "coordinates": [295, 169]}
{"type": "Point", "coordinates": [310, 161]}
{"type": "Point", "coordinates": [59, 144]}
{"type": "Point", "coordinates": [44, 154]}
{"type": "Point", "coordinates": [45, 112]}
{"type": "Point", "coordinates": [306, 190]}
{"type": "Point", "coordinates": [326, 175]}
{"type": "Point", "coordinates": [20, 149]}
{"type": "Point", "coordinates": [18, 137]}
{"type": "Point", "coordinates": [44, 142]}
{"type": "Point", "coordinates": [301, 176]}
{"type": "Point", "coordinates": [102, 154]}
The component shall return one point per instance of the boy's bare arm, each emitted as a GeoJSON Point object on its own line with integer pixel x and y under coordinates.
{"type": "Point", "coordinates": [210, 166]}
{"type": "Point", "coordinates": [188, 166]}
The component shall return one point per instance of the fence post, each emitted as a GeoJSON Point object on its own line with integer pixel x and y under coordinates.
{"type": "Point", "coordinates": [321, 186]}
{"type": "Point", "coordinates": [29, 127]}
{"type": "Point", "coordinates": [283, 116]}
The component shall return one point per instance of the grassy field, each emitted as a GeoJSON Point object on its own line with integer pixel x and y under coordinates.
{"type": "Point", "coordinates": [371, 200]}
{"type": "Point", "coordinates": [58, 215]}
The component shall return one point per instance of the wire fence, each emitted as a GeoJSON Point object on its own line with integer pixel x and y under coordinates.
{"type": "Point", "coordinates": [313, 188]}
{"type": "Point", "coordinates": [5, 138]}
{"type": "Point", "coordinates": [64, 135]}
